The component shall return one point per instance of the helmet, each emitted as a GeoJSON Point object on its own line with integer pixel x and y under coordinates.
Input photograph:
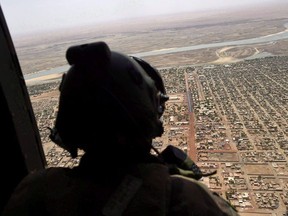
{"type": "Point", "coordinates": [106, 92]}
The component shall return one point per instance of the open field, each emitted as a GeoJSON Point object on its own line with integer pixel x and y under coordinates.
{"type": "Point", "coordinates": [163, 32]}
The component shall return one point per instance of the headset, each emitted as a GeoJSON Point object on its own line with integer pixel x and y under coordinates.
{"type": "Point", "coordinates": [87, 58]}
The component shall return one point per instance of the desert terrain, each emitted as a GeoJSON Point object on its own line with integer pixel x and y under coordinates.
{"type": "Point", "coordinates": [218, 80]}
{"type": "Point", "coordinates": [163, 32]}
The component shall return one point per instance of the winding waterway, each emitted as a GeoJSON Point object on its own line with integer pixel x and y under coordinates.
{"type": "Point", "coordinates": [263, 39]}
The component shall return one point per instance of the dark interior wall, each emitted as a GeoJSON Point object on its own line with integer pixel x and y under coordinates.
{"type": "Point", "coordinates": [11, 161]}
{"type": "Point", "coordinates": [21, 147]}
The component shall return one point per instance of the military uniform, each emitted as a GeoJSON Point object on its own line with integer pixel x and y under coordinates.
{"type": "Point", "coordinates": [125, 97]}
{"type": "Point", "coordinates": [148, 190]}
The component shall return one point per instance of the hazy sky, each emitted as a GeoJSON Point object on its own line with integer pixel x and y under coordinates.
{"type": "Point", "coordinates": [25, 16]}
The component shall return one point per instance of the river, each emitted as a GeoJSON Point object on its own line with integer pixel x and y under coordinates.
{"type": "Point", "coordinates": [263, 39]}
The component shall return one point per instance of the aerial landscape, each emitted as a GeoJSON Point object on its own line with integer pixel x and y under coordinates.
{"type": "Point", "coordinates": [226, 75]}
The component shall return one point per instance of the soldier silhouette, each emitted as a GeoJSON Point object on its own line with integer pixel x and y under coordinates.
{"type": "Point", "coordinates": [111, 107]}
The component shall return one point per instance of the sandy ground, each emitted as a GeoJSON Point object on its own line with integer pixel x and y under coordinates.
{"type": "Point", "coordinates": [43, 79]}
{"type": "Point", "coordinates": [223, 57]}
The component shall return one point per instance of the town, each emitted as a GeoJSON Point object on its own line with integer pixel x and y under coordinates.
{"type": "Point", "coordinates": [230, 118]}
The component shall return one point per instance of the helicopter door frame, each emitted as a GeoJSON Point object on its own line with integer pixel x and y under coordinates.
{"type": "Point", "coordinates": [21, 146]}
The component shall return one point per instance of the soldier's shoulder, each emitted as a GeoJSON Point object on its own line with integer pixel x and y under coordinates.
{"type": "Point", "coordinates": [198, 197]}
{"type": "Point", "coordinates": [38, 178]}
